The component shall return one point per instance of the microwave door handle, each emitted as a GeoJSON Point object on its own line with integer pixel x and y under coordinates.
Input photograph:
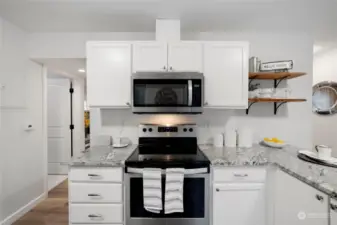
{"type": "Point", "coordinates": [190, 92]}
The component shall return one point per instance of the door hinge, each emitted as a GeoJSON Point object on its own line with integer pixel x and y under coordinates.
{"type": "Point", "coordinates": [72, 127]}
{"type": "Point", "coordinates": [71, 90]}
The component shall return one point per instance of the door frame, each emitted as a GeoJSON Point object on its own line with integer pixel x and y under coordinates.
{"type": "Point", "coordinates": [78, 111]}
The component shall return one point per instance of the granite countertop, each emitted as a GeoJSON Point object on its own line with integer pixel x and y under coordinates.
{"type": "Point", "coordinates": [97, 156]}
{"type": "Point", "coordinates": [320, 177]}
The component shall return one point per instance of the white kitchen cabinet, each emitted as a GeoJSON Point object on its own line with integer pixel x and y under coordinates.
{"type": "Point", "coordinates": [238, 204]}
{"type": "Point", "coordinates": [149, 56]}
{"type": "Point", "coordinates": [108, 74]}
{"type": "Point", "coordinates": [96, 195]}
{"type": "Point", "coordinates": [167, 57]}
{"type": "Point", "coordinates": [298, 203]}
{"type": "Point", "coordinates": [185, 56]}
{"type": "Point", "coordinates": [333, 211]}
{"type": "Point", "coordinates": [226, 74]}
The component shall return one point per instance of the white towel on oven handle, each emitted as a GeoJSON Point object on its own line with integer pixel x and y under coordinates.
{"type": "Point", "coordinates": [174, 190]}
{"type": "Point", "coordinates": [152, 190]}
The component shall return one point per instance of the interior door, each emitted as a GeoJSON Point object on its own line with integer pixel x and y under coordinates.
{"type": "Point", "coordinates": [150, 56]}
{"type": "Point", "coordinates": [59, 119]}
{"type": "Point", "coordinates": [185, 56]}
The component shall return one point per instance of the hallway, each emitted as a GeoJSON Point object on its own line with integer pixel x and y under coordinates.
{"type": "Point", "coordinates": [52, 211]}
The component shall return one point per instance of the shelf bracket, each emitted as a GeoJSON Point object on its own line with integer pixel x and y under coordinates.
{"type": "Point", "coordinates": [247, 110]}
{"type": "Point", "coordinates": [251, 79]}
{"type": "Point", "coordinates": [277, 82]}
{"type": "Point", "coordinates": [277, 106]}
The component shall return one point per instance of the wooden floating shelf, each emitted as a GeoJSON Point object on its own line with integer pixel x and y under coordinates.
{"type": "Point", "coordinates": [275, 75]}
{"type": "Point", "coordinates": [276, 100]}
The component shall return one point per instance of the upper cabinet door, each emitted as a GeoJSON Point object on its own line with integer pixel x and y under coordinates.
{"type": "Point", "coordinates": [226, 74]}
{"type": "Point", "coordinates": [149, 56]}
{"type": "Point", "coordinates": [108, 74]}
{"type": "Point", "coordinates": [185, 56]}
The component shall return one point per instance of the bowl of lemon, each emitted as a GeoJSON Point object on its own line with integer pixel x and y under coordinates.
{"type": "Point", "coordinates": [274, 142]}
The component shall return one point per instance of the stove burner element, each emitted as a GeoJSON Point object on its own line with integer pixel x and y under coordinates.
{"type": "Point", "coordinates": [167, 147]}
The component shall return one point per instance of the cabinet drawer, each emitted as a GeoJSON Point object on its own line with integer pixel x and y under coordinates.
{"type": "Point", "coordinates": [96, 174]}
{"type": "Point", "coordinates": [96, 213]}
{"type": "Point", "coordinates": [95, 193]}
{"type": "Point", "coordinates": [239, 175]}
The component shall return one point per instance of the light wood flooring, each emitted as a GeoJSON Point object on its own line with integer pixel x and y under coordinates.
{"type": "Point", "coordinates": [52, 211]}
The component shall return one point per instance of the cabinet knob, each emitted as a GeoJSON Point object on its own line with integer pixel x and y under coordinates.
{"type": "Point", "coordinates": [333, 207]}
{"type": "Point", "coordinates": [128, 104]}
{"type": "Point", "coordinates": [217, 189]}
{"type": "Point", "coordinates": [171, 68]}
{"type": "Point", "coordinates": [206, 103]}
{"type": "Point", "coordinates": [319, 198]}
{"type": "Point", "coordinates": [164, 68]}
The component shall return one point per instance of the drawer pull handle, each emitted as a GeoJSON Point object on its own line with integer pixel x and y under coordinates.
{"type": "Point", "coordinates": [94, 195]}
{"type": "Point", "coordinates": [94, 176]}
{"type": "Point", "coordinates": [333, 207]}
{"type": "Point", "coordinates": [319, 198]}
{"type": "Point", "coordinates": [95, 216]}
{"type": "Point", "coordinates": [240, 175]}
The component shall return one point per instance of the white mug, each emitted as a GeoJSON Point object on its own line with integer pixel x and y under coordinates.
{"type": "Point", "coordinates": [323, 151]}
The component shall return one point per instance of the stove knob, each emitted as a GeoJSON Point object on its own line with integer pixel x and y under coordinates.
{"type": "Point", "coordinates": [144, 130]}
{"type": "Point", "coordinates": [191, 130]}
{"type": "Point", "coordinates": [185, 129]}
{"type": "Point", "coordinates": [150, 129]}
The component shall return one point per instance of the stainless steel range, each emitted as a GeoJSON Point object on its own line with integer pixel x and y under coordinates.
{"type": "Point", "coordinates": [168, 147]}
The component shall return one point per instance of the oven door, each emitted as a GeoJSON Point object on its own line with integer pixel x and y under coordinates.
{"type": "Point", "coordinates": [196, 202]}
{"type": "Point", "coordinates": [167, 93]}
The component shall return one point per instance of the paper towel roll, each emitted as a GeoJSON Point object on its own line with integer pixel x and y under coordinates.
{"type": "Point", "coordinates": [218, 140]}
{"type": "Point", "coordinates": [245, 138]}
{"type": "Point", "coordinates": [230, 138]}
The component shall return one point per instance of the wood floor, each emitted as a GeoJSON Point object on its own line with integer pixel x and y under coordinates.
{"type": "Point", "coordinates": [52, 211]}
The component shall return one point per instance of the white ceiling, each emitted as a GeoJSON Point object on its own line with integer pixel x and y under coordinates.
{"type": "Point", "coordinates": [195, 15]}
{"type": "Point", "coordinates": [64, 67]}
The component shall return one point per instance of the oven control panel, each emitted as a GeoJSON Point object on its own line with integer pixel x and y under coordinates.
{"type": "Point", "coordinates": [182, 130]}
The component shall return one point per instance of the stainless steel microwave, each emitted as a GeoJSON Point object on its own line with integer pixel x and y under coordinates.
{"type": "Point", "coordinates": [167, 92]}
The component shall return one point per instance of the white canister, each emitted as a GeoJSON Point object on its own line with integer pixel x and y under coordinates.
{"type": "Point", "coordinates": [230, 138]}
{"type": "Point", "coordinates": [245, 138]}
{"type": "Point", "coordinates": [218, 140]}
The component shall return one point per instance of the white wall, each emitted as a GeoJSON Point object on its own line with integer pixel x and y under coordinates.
{"type": "Point", "coordinates": [22, 156]}
{"type": "Point", "coordinates": [293, 122]}
{"type": "Point", "coordinates": [325, 127]}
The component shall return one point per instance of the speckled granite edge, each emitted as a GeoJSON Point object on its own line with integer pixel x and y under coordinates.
{"type": "Point", "coordinates": [319, 177]}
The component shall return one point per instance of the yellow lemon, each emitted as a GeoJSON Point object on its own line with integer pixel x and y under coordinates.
{"type": "Point", "coordinates": [267, 139]}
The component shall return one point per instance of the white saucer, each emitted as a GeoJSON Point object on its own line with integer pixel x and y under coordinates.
{"type": "Point", "coordinates": [314, 156]}
{"type": "Point", "coordinates": [120, 145]}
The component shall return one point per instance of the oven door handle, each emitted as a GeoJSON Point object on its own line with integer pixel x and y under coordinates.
{"type": "Point", "coordinates": [132, 170]}
{"type": "Point", "coordinates": [190, 92]}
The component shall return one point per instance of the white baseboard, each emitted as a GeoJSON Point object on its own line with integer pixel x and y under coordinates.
{"type": "Point", "coordinates": [25, 209]}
